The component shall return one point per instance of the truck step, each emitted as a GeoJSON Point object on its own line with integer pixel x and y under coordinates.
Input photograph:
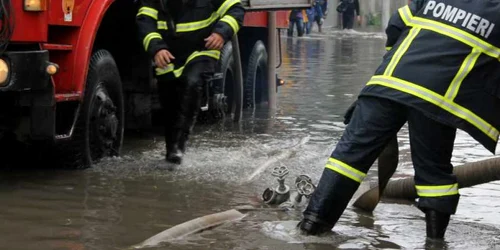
{"type": "Point", "coordinates": [53, 46]}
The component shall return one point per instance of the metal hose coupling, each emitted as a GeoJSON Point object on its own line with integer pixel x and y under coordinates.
{"type": "Point", "coordinates": [280, 194]}
{"type": "Point", "coordinates": [305, 187]}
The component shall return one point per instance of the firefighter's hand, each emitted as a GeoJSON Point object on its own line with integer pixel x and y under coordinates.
{"type": "Point", "coordinates": [214, 41]}
{"type": "Point", "coordinates": [359, 20]}
{"type": "Point", "coordinates": [163, 58]}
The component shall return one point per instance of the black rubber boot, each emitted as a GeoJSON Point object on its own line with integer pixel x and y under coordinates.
{"type": "Point", "coordinates": [310, 225]}
{"type": "Point", "coordinates": [328, 202]}
{"type": "Point", "coordinates": [188, 126]}
{"type": "Point", "coordinates": [436, 223]}
{"type": "Point", "coordinates": [189, 110]}
{"type": "Point", "coordinates": [174, 154]}
{"type": "Point", "coordinates": [183, 141]}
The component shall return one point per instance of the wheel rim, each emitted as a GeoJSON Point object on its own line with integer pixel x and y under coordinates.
{"type": "Point", "coordinates": [104, 125]}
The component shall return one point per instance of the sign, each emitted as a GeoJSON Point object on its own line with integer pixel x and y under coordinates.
{"type": "Point", "coordinates": [67, 6]}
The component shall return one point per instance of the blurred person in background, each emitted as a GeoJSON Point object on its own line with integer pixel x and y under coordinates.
{"type": "Point", "coordinates": [349, 9]}
{"type": "Point", "coordinates": [296, 19]}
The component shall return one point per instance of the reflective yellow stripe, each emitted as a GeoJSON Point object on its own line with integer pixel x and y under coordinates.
{"type": "Point", "coordinates": [161, 71]}
{"type": "Point", "coordinates": [437, 191]}
{"type": "Point", "coordinates": [438, 100]}
{"type": "Point", "coordinates": [162, 25]}
{"type": "Point", "coordinates": [178, 72]}
{"type": "Point", "coordinates": [450, 31]}
{"type": "Point", "coordinates": [345, 170]}
{"type": "Point", "coordinates": [226, 6]}
{"type": "Point", "coordinates": [192, 26]}
{"type": "Point", "coordinates": [401, 51]}
{"type": "Point", "coordinates": [405, 14]}
{"type": "Point", "coordinates": [232, 22]}
{"type": "Point", "coordinates": [148, 12]}
{"type": "Point", "coordinates": [464, 70]}
{"type": "Point", "coordinates": [388, 48]}
{"type": "Point", "coordinates": [150, 37]}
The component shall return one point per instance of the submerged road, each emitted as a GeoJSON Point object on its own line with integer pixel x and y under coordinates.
{"type": "Point", "coordinates": [123, 201]}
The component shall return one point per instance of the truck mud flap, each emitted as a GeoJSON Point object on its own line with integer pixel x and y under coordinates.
{"type": "Point", "coordinates": [43, 116]}
{"type": "Point", "coordinates": [29, 80]}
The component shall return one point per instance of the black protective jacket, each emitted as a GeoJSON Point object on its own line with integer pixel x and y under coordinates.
{"type": "Point", "coordinates": [350, 7]}
{"type": "Point", "coordinates": [443, 60]}
{"type": "Point", "coordinates": [181, 26]}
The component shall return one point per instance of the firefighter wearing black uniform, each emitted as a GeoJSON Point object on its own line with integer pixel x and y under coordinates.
{"type": "Point", "coordinates": [184, 37]}
{"type": "Point", "coordinates": [349, 10]}
{"type": "Point", "coordinates": [442, 73]}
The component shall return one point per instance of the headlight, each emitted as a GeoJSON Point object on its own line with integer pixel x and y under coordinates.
{"type": "Point", "coordinates": [4, 72]}
{"type": "Point", "coordinates": [52, 68]}
{"type": "Point", "coordinates": [35, 5]}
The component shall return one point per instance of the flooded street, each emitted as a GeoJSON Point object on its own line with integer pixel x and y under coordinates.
{"type": "Point", "coordinates": [123, 201]}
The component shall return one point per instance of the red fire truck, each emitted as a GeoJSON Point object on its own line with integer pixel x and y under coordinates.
{"type": "Point", "coordinates": [73, 74]}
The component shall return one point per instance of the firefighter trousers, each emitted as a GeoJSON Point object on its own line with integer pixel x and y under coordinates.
{"type": "Point", "coordinates": [180, 99]}
{"type": "Point", "coordinates": [374, 123]}
{"type": "Point", "coordinates": [348, 20]}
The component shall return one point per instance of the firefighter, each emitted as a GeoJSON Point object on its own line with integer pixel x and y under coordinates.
{"type": "Point", "coordinates": [349, 9]}
{"type": "Point", "coordinates": [441, 74]}
{"type": "Point", "coordinates": [184, 38]}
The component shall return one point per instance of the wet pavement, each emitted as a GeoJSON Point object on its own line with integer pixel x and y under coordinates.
{"type": "Point", "coordinates": [123, 201]}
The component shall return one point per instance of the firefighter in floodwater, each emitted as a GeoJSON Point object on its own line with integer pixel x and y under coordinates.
{"type": "Point", "coordinates": [349, 9]}
{"type": "Point", "coordinates": [441, 74]}
{"type": "Point", "coordinates": [184, 38]}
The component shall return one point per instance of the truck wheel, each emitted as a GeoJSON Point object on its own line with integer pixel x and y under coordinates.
{"type": "Point", "coordinates": [100, 125]}
{"type": "Point", "coordinates": [230, 85]}
{"type": "Point", "coordinates": [255, 89]}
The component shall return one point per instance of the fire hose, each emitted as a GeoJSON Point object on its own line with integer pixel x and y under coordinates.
{"type": "Point", "coordinates": [468, 175]}
{"type": "Point", "coordinates": [272, 196]}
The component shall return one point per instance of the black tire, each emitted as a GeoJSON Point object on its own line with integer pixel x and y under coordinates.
{"type": "Point", "coordinates": [103, 105]}
{"type": "Point", "coordinates": [256, 82]}
{"type": "Point", "coordinates": [230, 85]}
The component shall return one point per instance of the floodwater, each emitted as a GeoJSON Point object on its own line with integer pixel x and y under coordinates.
{"type": "Point", "coordinates": [123, 201]}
